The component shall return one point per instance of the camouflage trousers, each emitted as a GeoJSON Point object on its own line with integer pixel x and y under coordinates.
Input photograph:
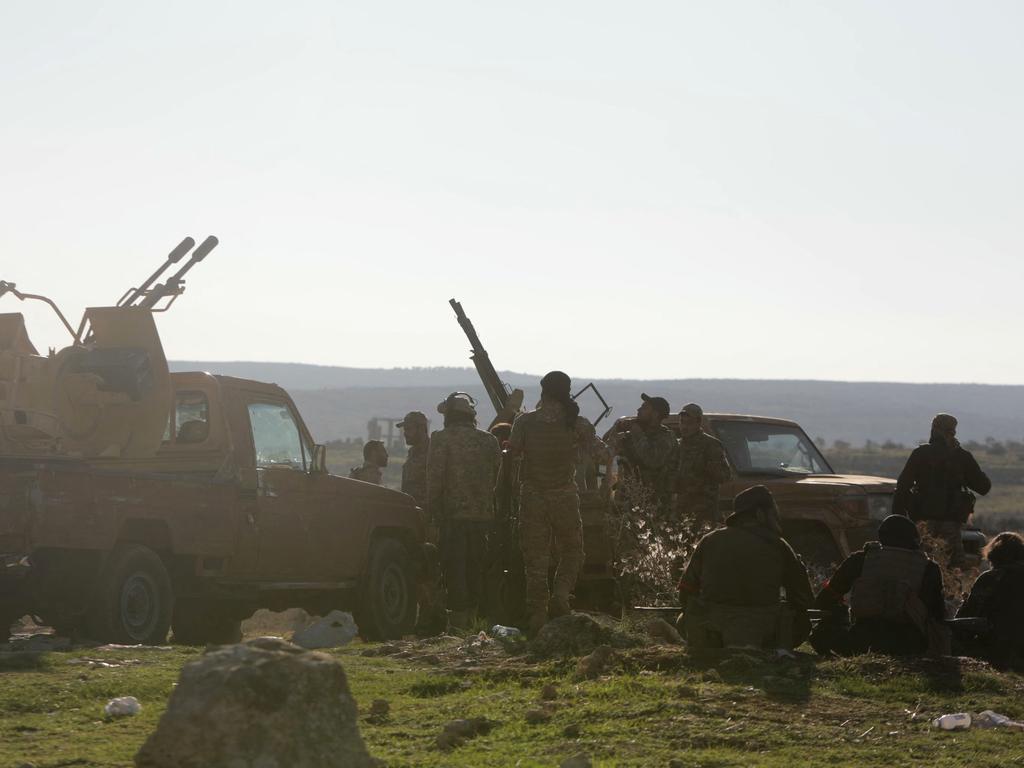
{"type": "Point", "coordinates": [948, 532]}
{"type": "Point", "coordinates": [545, 515]}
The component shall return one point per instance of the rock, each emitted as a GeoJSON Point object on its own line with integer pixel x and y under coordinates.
{"type": "Point", "coordinates": [579, 760]}
{"type": "Point", "coordinates": [711, 675]}
{"type": "Point", "coordinates": [456, 732]}
{"type": "Point", "coordinates": [276, 623]}
{"type": "Point", "coordinates": [576, 634]}
{"type": "Point", "coordinates": [596, 663]}
{"type": "Point", "coordinates": [122, 706]}
{"type": "Point", "coordinates": [537, 716]}
{"type": "Point", "coordinates": [549, 692]}
{"type": "Point", "coordinates": [659, 629]}
{"type": "Point", "coordinates": [332, 631]}
{"type": "Point", "coordinates": [380, 708]}
{"type": "Point", "coordinates": [263, 703]}
{"type": "Point", "coordinates": [42, 643]}
{"type": "Point", "coordinates": [571, 731]}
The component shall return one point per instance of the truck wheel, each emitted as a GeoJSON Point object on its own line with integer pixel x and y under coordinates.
{"type": "Point", "coordinates": [133, 598]}
{"type": "Point", "coordinates": [203, 622]}
{"type": "Point", "coordinates": [387, 606]}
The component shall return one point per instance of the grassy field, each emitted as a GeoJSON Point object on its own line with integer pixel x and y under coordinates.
{"type": "Point", "coordinates": [654, 705]}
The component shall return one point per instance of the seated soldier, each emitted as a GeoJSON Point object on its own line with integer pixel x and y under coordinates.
{"type": "Point", "coordinates": [896, 600]}
{"type": "Point", "coordinates": [731, 591]}
{"type": "Point", "coordinates": [998, 597]}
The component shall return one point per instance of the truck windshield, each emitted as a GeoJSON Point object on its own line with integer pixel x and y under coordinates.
{"type": "Point", "coordinates": [276, 436]}
{"type": "Point", "coordinates": [756, 448]}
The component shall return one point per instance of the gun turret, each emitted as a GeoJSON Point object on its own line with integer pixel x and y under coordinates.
{"type": "Point", "coordinates": [496, 389]}
{"type": "Point", "coordinates": [147, 296]}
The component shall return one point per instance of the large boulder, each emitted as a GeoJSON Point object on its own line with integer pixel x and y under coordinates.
{"type": "Point", "coordinates": [577, 634]}
{"type": "Point", "coordinates": [262, 704]}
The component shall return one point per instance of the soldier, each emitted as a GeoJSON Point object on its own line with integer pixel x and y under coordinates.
{"type": "Point", "coordinates": [648, 450]}
{"type": "Point", "coordinates": [997, 597]}
{"type": "Point", "coordinates": [414, 471]}
{"type": "Point", "coordinates": [936, 484]}
{"type": "Point", "coordinates": [896, 598]}
{"type": "Point", "coordinates": [547, 441]}
{"type": "Point", "coordinates": [375, 458]}
{"type": "Point", "coordinates": [731, 588]}
{"type": "Point", "coordinates": [461, 468]}
{"type": "Point", "coordinates": [702, 468]}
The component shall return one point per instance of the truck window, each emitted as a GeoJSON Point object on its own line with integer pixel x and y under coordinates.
{"type": "Point", "coordinates": [770, 448]}
{"type": "Point", "coordinates": [191, 419]}
{"type": "Point", "coordinates": [275, 436]}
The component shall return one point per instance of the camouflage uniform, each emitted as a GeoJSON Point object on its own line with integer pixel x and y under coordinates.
{"type": "Point", "coordinates": [653, 457]}
{"type": "Point", "coordinates": [702, 468]}
{"type": "Point", "coordinates": [461, 467]}
{"type": "Point", "coordinates": [550, 503]}
{"type": "Point", "coordinates": [368, 473]}
{"type": "Point", "coordinates": [414, 473]}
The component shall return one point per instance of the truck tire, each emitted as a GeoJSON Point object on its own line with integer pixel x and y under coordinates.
{"type": "Point", "coordinates": [133, 598]}
{"type": "Point", "coordinates": [204, 622]}
{"type": "Point", "coordinates": [387, 605]}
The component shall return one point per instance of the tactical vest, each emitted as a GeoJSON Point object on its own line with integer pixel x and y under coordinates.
{"type": "Point", "coordinates": [549, 454]}
{"type": "Point", "coordinates": [889, 585]}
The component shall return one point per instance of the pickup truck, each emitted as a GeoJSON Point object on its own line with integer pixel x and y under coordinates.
{"type": "Point", "coordinates": [234, 511]}
{"type": "Point", "coordinates": [825, 515]}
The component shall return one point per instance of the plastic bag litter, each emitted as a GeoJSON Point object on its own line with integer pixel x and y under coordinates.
{"type": "Point", "coordinates": [122, 706]}
{"type": "Point", "coordinates": [959, 721]}
{"type": "Point", "coordinates": [990, 719]}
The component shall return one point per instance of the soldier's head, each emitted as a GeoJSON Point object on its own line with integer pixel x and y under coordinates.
{"type": "Point", "coordinates": [944, 428]}
{"type": "Point", "coordinates": [756, 506]}
{"type": "Point", "coordinates": [556, 387]}
{"type": "Point", "coordinates": [690, 416]}
{"type": "Point", "coordinates": [414, 428]}
{"type": "Point", "coordinates": [652, 410]}
{"type": "Point", "coordinates": [502, 431]}
{"type": "Point", "coordinates": [899, 531]}
{"type": "Point", "coordinates": [1004, 549]}
{"type": "Point", "coordinates": [375, 453]}
{"type": "Point", "coordinates": [458, 408]}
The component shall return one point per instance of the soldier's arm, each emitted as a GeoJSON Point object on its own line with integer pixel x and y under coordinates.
{"type": "Point", "coordinates": [931, 592]}
{"type": "Point", "coordinates": [689, 584]}
{"type": "Point", "coordinates": [834, 590]}
{"type": "Point", "coordinates": [974, 605]}
{"type": "Point", "coordinates": [650, 452]}
{"type": "Point", "coordinates": [904, 483]}
{"type": "Point", "coordinates": [437, 458]}
{"type": "Point", "coordinates": [974, 477]}
{"type": "Point", "coordinates": [798, 586]}
{"type": "Point", "coordinates": [517, 438]}
{"type": "Point", "coordinates": [718, 466]}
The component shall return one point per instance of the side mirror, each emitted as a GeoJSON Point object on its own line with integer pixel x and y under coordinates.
{"type": "Point", "coordinates": [319, 465]}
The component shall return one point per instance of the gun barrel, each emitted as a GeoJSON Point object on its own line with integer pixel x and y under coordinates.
{"type": "Point", "coordinates": [493, 385]}
{"type": "Point", "coordinates": [173, 257]}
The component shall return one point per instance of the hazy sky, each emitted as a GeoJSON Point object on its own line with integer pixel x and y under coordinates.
{"type": "Point", "coordinates": [829, 190]}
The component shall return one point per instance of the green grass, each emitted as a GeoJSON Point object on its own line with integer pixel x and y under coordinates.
{"type": "Point", "coordinates": [656, 704]}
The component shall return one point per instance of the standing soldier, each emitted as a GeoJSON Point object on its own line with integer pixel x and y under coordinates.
{"type": "Point", "coordinates": [462, 464]}
{"type": "Point", "coordinates": [936, 484]}
{"type": "Point", "coordinates": [414, 471]}
{"type": "Point", "coordinates": [702, 469]}
{"type": "Point", "coordinates": [648, 450]}
{"type": "Point", "coordinates": [547, 441]}
{"type": "Point", "coordinates": [375, 458]}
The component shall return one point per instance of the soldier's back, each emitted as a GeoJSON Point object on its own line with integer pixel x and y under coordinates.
{"type": "Point", "coordinates": [742, 565]}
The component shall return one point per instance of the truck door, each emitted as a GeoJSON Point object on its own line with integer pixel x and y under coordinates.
{"type": "Point", "coordinates": [285, 502]}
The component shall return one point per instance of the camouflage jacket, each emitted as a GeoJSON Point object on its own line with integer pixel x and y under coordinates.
{"type": "Point", "coordinates": [653, 456]}
{"type": "Point", "coordinates": [414, 473]}
{"type": "Point", "coordinates": [462, 465]}
{"type": "Point", "coordinates": [368, 473]}
{"type": "Point", "coordinates": [546, 465]}
{"type": "Point", "coordinates": [702, 469]}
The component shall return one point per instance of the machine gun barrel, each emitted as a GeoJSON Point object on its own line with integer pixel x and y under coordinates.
{"type": "Point", "coordinates": [173, 257]}
{"type": "Point", "coordinates": [494, 386]}
{"type": "Point", "coordinates": [174, 286]}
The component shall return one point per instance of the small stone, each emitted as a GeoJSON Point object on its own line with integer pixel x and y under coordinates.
{"type": "Point", "coordinates": [549, 692]}
{"type": "Point", "coordinates": [595, 664]}
{"type": "Point", "coordinates": [380, 708]}
{"type": "Point", "coordinates": [661, 630]}
{"type": "Point", "coordinates": [579, 760]}
{"type": "Point", "coordinates": [537, 716]}
{"type": "Point", "coordinates": [571, 731]}
{"type": "Point", "coordinates": [712, 676]}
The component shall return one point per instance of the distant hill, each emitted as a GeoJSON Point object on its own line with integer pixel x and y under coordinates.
{"type": "Point", "coordinates": [337, 402]}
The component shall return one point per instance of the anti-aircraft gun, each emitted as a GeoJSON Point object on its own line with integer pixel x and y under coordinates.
{"type": "Point", "coordinates": [597, 586]}
{"type": "Point", "coordinates": [105, 395]}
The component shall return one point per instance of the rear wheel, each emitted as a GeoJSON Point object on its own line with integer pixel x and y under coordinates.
{"type": "Point", "coordinates": [387, 605]}
{"type": "Point", "coordinates": [203, 622]}
{"type": "Point", "coordinates": [132, 599]}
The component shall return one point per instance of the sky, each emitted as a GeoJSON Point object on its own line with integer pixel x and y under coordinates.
{"type": "Point", "coordinates": [813, 190]}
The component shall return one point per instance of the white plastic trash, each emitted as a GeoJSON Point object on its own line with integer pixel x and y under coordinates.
{"type": "Point", "coordinates": [990, 719]}
{"type": "Point", "coordinates": [334, 630]}
{"type": "Point", "coordinates": [122, 706]}
{"type": "Point", "coordinates": [960, 721]}
{"type": "Point", "coordinates": [500, 631]}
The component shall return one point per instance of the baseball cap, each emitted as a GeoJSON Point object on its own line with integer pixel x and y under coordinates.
{"type": "Point", "coordinates": [412, 417]}
{"type": "Point", "coordinates": [660, 404]}
{"type": "Point", "coordinates": [692, 410]}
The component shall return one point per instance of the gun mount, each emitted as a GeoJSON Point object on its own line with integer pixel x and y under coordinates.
{"type": "Point", "coordinates": [108, 393]}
